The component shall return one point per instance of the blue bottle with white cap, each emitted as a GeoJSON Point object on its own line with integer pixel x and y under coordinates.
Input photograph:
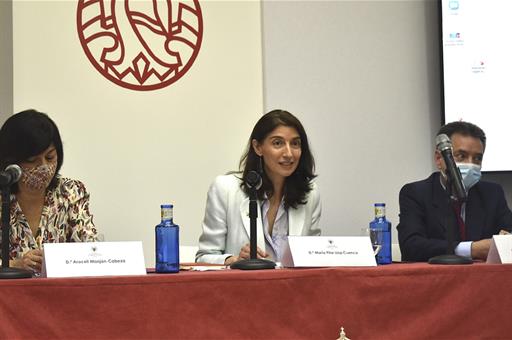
{"type": "Point", "coordinates": [167, 242]}
{"type": "Point", "coordinates": [384, 226]}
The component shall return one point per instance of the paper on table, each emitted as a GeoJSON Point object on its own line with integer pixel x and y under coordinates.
{"type": "Point", "coordinates": [501, 249]}
{"type": "Point", "coordinates": [203, 268]}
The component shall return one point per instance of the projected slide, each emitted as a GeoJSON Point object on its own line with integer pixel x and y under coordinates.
{"type": "Point", "coordinates": [477, 61]}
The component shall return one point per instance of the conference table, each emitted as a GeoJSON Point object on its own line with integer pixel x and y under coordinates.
{"type": "Point", "coordinates": [396, 301]}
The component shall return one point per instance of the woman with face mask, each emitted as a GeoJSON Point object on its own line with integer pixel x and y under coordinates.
{"type": "Point", "coordinates": [45, 207]}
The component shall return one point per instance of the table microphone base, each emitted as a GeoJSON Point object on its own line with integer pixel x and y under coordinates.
{"type": "Point", "coordinates": [449, 259]}
{"type": "Point", "coordinates": [253, 264]}
{"type": "Point", "coordinates": [14, 273]}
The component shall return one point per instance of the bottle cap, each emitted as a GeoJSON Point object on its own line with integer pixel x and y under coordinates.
{"type": "Point", "coordinates": [166, 206]}
{"type": "Point", "coordinates": [380, 204]}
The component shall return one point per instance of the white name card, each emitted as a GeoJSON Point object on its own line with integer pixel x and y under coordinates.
{"type": "Point", "coordinates": [77, 259]}
{"type": "Point", "coordinates": [328, 251]}
{"type": "Point", "coordinates": [501, 249]}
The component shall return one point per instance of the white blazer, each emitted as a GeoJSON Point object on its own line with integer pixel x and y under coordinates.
{"type": "Point", "coordinates": [226, 224]}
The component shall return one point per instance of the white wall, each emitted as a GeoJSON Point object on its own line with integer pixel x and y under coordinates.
{"type": "Point", "coordinates": [5, 59]}
{"type": "Point", "coordinates": [363, 76]}
{"type": "Point", "coordinates": [136, 150]}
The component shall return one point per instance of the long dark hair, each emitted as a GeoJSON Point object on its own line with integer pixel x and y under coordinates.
{"type": "Point", "coordinates": [298, 184]}
{"type": "Point", "coordinates": [27, 134]}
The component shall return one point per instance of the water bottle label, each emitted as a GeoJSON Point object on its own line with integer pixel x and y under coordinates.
{"type": "Point", "coordinates": [166, 214]}
{"type": "Point", "coordinates": [380, 211]}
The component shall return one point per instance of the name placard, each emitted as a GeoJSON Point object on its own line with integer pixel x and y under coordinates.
{"type": "Point", "coordinates": [77, 259]}
{"type": "Point", "coordinates": [501, 249]}
{"type": "Point", "coordinates": [328, 251]}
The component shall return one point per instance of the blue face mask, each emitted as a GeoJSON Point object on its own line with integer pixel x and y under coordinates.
{"type": "Point", "coordinates": [470, 174]}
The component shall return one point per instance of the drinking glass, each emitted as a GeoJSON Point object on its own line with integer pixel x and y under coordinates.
{"type": "Point", "coordinates": [376, 236]}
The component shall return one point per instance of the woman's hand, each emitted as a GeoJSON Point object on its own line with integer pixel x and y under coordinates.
{"type": "Point", "coordinates": [31, 260]}
{"type": "Point", "coordinates": [245, 253]}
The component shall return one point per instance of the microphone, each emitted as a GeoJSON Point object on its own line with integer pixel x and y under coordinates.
{"type": "Point", "coordinates": [253, 180]}
{"type": "Point", "coordinates": [457, 191]}
{"type": "Point", "coordinates": [444, 146]}
{"type": "Point", "coordinates": [10, 175]}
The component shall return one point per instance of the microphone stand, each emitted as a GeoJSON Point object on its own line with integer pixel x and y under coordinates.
{"type": "Point", "coordinates": [254, 262]}
{"type": "Point", "coordinates": [7, 272]}
{"type": "Point", "coordinates": [451, 232]}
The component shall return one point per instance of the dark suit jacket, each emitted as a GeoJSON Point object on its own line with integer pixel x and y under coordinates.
{"type": "Point", "coordinates": [426, 216]}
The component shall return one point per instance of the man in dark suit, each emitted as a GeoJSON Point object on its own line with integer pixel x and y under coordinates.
{"type": "Point", "coordinates": [427, 213]}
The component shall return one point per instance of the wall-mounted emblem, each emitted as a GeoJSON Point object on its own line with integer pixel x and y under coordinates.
{"type": "Point", "coordinates": [140, 45]}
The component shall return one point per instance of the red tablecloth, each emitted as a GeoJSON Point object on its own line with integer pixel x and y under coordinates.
{"type": "Point", "coordinates": [398, 301]}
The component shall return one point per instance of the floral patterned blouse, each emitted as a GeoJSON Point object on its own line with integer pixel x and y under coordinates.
{"type": "Point", "coordinates": [65, 218]}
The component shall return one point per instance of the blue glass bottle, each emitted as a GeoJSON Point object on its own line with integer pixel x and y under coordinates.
{"type": "Point", "coordinates": [380, 223]}
{"type": "Point", "coordinates": [167, 242]}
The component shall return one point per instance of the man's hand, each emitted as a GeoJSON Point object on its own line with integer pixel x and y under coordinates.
{"type": "Point", "coordinates": [480, 249]}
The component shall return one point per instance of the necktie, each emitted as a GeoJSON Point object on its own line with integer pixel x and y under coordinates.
{"type": "Point", "coordinates": [457, 206]}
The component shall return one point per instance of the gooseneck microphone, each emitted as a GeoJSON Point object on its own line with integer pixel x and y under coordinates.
{"type": "Point", "coordinates": [444, 146]}
{"type": "Point", "coordinates": [253, 181]}
{"type": "Point", "coordinates": [455, 187]}
{"type": "Point", "coordinates": [10, 175]}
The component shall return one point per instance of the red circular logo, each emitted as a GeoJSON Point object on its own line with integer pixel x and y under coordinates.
{"type": "Point", "coordinates": [140, 45]}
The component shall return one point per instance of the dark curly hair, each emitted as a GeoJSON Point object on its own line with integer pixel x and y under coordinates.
{"type": "Point", "coordinates": [27, 134]}
{"type": "Point", "coordinates": [298, 184]}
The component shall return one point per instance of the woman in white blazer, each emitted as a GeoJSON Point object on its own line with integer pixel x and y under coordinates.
{"type": "Point", "coordinates": [288, 200]}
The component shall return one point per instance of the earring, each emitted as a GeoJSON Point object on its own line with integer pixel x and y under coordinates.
{"type": "Point", "coordinates": [260, 165]}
